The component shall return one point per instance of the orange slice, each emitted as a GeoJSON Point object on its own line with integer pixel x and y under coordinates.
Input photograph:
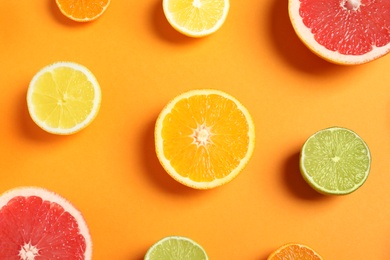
{"type": "Point", "coordinates": [204, 138]}
{"type": "Point", "coordinates": [294, 251]}
{"type": "Point", "coordinates": [82, 10]}
{"type": "Point", "coordinates": [343, 31]}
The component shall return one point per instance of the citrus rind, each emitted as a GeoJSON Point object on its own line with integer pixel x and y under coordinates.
{"type": "Point", "coordinates": [166, 163]}
{"type": "Point", "coordinates": [96, 102]}
{"type": "Point", "coordinates": [320, 188]}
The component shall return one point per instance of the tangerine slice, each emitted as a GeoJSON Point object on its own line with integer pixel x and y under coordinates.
{"type": "Point", "coordinates": [82, 10]}
{"type": "Point", "coordinates": [294, 251]}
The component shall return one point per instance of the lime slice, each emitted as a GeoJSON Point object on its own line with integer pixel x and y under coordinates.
{"type": "Point", "coordinates": [176, 248]}
{"type": "Point", "coordinates": [335, 161]}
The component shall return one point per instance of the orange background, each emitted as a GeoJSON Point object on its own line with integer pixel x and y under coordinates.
{"type": "Point", "coordinates": [110, 171]}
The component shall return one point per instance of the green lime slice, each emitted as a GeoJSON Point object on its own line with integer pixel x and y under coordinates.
{"type": "Point", "coordinates": [176, 248]}
{"type": "Point", "coordinates": [335, 161]}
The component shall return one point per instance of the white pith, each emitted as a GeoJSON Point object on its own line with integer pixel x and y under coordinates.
{"type": "Point", "coordinates": [197, 3]}
{"type": "Point", "coordinates": [350, 4]}
{"type": "Point", "coordinates": [28, 252]}
{"type": "Point", "coordinates": [46, 195]}
{"type": "Point", "coordinates": [307, 37]}
{"type": "Point", "coordinates": [202, 135]}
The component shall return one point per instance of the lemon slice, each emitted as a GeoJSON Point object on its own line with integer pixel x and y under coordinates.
{"type": "Point", "coordinates": [176, 248]}
{"type": "Point", "coordinates": [196, 18]}
{"type": "Point", "coordinates": [335, 161]}
{"type": "Point", "coordinates": [63, 98]}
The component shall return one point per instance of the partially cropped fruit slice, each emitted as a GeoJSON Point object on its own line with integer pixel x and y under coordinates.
{"type": "Point", "coordinates": [196, 18]}
{"type": "Point", "coordinates": [343, 31]}
{"type": "Point", "coordinates": [176, 248]}
{"type": "Point", "coordinates": [335, 161]}
{"type": "Point", "coordinates": [63, 98]}
{"type": "Point", "coordinates": [294, 251]}
{"type": "Point", "coordinates": [38, 224]}
{"type": "Point", "coordinates": [204, 138]}
{"type": "Point", "coordinates": [82, 10]}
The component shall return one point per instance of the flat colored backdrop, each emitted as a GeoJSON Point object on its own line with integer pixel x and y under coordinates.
{"type": "Point", "coordinates": [110, 172]}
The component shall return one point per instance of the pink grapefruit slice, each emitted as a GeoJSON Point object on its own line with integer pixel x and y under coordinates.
{"type": "Point", "coordinates": [343, 31]}
{"type": "Point", "coordinates": [39, 224]}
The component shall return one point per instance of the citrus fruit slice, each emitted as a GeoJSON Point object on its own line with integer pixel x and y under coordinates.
{"type": "Point", "coordinates": [196, 18]}
{"type": "Point", "coordinates": [343, 31]}
{"type": "Point", "coordinates": [293, 251]}
{"type": "Point", "coordinates": [204, 138]}
{"type": "Point", "coordinates": [38, 224]}
{"type": "Point", "coordinates": [82, 10]}
{"type": "Point", "coordinates": [176, 248]}
{"type": "Point", "coordinates": [335, 161]}
{"type": "Point", "coordinates": [63, 98]}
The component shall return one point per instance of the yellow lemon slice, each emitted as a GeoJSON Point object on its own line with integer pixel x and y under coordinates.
{"type": "Point", "coordinates": [63, 98]}
{"type": "Point", "coordinates": [196, 18]}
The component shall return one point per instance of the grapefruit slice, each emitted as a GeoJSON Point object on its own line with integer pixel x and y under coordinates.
{"type": "Point", "coordinates": [343, 31]}
{"type": "Point", "coordinates": [39, 224]}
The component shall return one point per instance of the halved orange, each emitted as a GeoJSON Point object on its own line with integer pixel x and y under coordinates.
{"type": "Point", "coordinates": [204, 138]}
{"type": "Point", "coordinates": [294, 251]}
{"type": "Point", "coordinates": [82, 10]}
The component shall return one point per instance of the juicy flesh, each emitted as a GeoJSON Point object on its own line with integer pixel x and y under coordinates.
{"type": "Point", "coordinates": [337, 161]}
{"type": "Point", "coordinates": [350, 27]}
{"type": "Point", "coordinates": [63, 98]}
{"type": "Point", "coordinates": [31, 228]}
{"type": "Point", "coordinates": [205, 137]}
{"type": "Point", "coordinates": [196, 15]}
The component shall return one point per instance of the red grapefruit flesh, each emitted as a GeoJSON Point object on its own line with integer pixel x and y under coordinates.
{"type": "Point", "coordinates": [343, 31]}
{"type": "Point", "coordinates": [39, 224]}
